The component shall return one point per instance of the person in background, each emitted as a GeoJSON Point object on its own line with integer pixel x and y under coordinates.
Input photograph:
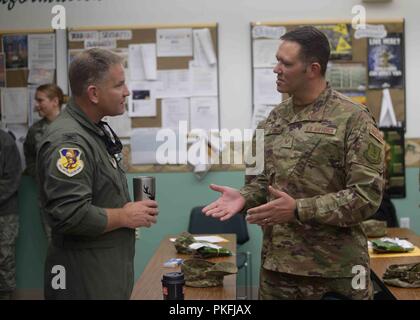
{"type": "Point", "coordinates": [48, 101]}
{"type": "Point", "coordinates": [10, 172]}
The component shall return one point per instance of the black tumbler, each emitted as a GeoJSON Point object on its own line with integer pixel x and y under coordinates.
{"type": "Point", "coordinates": [173, 286]}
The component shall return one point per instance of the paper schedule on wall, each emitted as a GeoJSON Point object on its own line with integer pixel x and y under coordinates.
{"type": "Point", "coordinates": [14, 104]}
{"type": "Point", "coordinates": [174, 111]}
{"type": "Point", "coordinates": [265, 91]}
{"type": "Point", "coordinates": [174, 42]}
{"type": "Point", "coordinates": [204, 113]}
{"type": "Point", "coordinates": [203, 47]}
{"type": "Point", "coordinates": [265, 53]}
{"type": "Point", "coordinates": [41, 51]}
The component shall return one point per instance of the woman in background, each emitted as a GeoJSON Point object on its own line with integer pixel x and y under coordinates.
{"type": "Point", "coordinates": [48, 102]}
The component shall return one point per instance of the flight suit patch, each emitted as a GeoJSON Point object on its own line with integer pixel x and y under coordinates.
{"type": "Point", "coordinates": [373, 154]}
{"type": "Point", "coordinates": [69, 162]}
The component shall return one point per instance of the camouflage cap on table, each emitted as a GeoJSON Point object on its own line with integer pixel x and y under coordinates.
{"type": "Point", "coordinates": [182, 243]}
{"type": "Point", "coordinates": [374, 228]}
{"type": "Point", "coordinates": [206, 250]}
{"type": "Point", "coordinates": [403, 275]}
{"type": "Point", "coordinates": [202, 273]}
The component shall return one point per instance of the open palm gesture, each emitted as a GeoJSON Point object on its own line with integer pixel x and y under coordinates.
{"type": "Point", "coordinates": [229, 203]}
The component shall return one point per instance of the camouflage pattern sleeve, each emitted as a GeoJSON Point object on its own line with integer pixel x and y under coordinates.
{"type": "Point", "coordinates": [10, 169]}
{"type": "Point", "coordinates": [66, 172]}
{"type": "Point", "coordinates": [364, 167]}
{"type": "Point", "coordinates": [256, 186]}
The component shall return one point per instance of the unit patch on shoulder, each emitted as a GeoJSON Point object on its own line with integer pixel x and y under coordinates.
{"type": "Point", "coordinates": [373, 154]}
{"type": "Point", "coordinates": [69, 162]}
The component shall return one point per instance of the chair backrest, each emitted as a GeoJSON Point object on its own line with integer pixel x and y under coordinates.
{"type": "Point", "coordinates": [200, 223]}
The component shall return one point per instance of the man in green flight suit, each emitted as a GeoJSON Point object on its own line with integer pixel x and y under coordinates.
{"type": "Point", "coordinates": [84, 189]}
{"type": "Point", "coordinates": [322, 176]}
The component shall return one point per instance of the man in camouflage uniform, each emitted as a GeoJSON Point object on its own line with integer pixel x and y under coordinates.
{"type": "Point", "coordinates": [323, 176]}
{"type": "Point", "coordinates": [84, 189]}
{"type": "Point", "coordinates": [10, 170]}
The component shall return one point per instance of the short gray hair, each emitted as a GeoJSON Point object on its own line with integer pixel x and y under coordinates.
{"type": "Point", "coordinates": [90, 67]}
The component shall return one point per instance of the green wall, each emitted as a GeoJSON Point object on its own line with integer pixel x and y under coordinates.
{"type": "Point", "coordinates": [177, 193]}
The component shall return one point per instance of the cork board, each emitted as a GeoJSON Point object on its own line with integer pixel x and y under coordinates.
{"type": "Point", "coordinates": [18, 77]}
{"type": "Point", "coordinates": [370, 96]}
{"type": "Point", "coordinates": [143, 35]}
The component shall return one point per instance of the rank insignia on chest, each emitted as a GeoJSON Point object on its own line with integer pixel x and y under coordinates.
{"type": "Point", "coordinates": [69, 162]}
{"type": "Point", "coordinates": [287, 143]}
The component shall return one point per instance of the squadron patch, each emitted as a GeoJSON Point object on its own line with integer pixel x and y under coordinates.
{"type": "Point", "coordinates": [69, 162]}
{"type": "Point", "coordinates": [373, 153]}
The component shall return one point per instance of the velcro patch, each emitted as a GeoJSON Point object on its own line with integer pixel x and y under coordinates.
{"type": "Point", "coordinates": [287, 142]}
{"type": "Point", "coordinates": [69, 162]}
{"type": "Point", "coordinates": [321, 129]}
{"type": "Point", "coordinates": [374, 132]}
{"type": "Point", "coordinates": [373, 154]}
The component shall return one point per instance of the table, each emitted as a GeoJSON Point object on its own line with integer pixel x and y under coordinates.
{"type": "Point", "coordinates": [379, 265]}
{"type": "Point", "coordinates": [149, 285]}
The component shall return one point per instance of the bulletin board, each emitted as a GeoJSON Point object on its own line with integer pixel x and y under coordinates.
{"type": "Point", "coordinates": [21, 59]}
{"type": "Point", "coordinates": [122, 39]}
{"type": "Point", "coordinates": [144, 35]}
{"type": "Point", "coordinates": [27, 60]}
{"type": "Point", "coordinates": [362, 63]}
{"type": "Point", "coordinates": [366, 65]}
{"type": "Point", "coordinates": [17, 74]}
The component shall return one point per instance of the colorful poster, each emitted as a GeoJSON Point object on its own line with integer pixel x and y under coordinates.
{"type": "Point", "coordinates": [16, 50]}
{"type": "Point", "coordinates": [385, 62]}
{"type": "Point", "coordinates": [339, 36]}
{"type": "Point", "coordinates": [2, 71]}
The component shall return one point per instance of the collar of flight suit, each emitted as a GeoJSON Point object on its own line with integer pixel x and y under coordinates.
{"type": "Point", "coordinates": [312, 112]}
{"type": "Point", "coordinates": [82, 118]}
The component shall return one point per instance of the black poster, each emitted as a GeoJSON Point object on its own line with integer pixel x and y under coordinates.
{"type": "Point", "coordinates": [386, 61]}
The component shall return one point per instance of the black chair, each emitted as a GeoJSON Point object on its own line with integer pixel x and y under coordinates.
{"type": "Point", "coordinates": [201, 224]}
{"type": "Point", "coordinates": [386, 212]}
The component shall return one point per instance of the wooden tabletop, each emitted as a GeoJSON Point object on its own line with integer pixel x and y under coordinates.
{"type": "Point", "coordinates": [149, 286]}
{"type": "Point", "coordinates": [379, 265]}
